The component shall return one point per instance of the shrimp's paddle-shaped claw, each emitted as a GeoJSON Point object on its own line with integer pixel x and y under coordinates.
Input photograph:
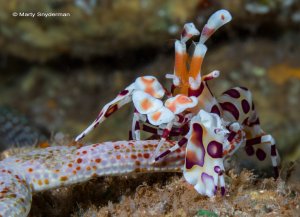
{"type": "Point", "coordinates": [204, 154]}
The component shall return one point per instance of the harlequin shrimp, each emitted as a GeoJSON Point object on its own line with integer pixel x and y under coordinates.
{"type": "Point", "coordinates": [190, 92]}
{"type": "Point", "coordinates": [172, 116]}
{"type": "Point", "coordinates": [197, 132]}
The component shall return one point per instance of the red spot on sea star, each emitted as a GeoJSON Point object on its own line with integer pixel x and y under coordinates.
{"type": "Point", "coordinates": [40, 182]}
{"type": "Point", "coordinates": [63, 178]}
{"type": "Point", "coordinates": [79, 160]}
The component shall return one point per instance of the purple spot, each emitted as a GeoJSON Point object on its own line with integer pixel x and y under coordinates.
{"type": "Point", "coordinates": [196, 92]}
{"type": "Point", "coordinates": [162, 155]}
{"type": "Point", "coordinates": [123, 92]}
{"type": "Point", "coordinates": [208, 182]}
{"type": "Point", "coordinates": [231, 136]}
{"type": "Point", "coordinates": [189, 163]}
{"type": "Point", "coordinates": [191, 157]}
{"type": "Point", "coordinates": [197, 135]}
{"type": "Point", "coordinates": [245, 106]}
{"type": "Point", "coordinates": [245, 122]}
{"type": "Point", "coordinates": [233, 93]}
{"type": "Point", "coordinates": [149, 129]}
{"type": "Point", "coordinates": [231, 108]}
{"type": "Point", "coordinates": [180, 118]}
{"type": "Point", "coordinates": [215, 149]}
{"type": "Point", "coordinates": [215, 110]}
{"type": "Point", "coordinates": [218, 170]}
{"type": "Point", "coordinates": [111, 110]}
{"type": "Point", "coordinates": [223, 191]}
{"type": "Point", "coordinates": [260, 154]}
{"type": "Point", "coordinates": [249, 150]}
{"type": "Point", "coordinates": [253, 141]}
{"type": "Point", "coordinates": [137, 126]}
{"type": "Point", "coordinates": [182, 142]}
{"type": "Point", "coordinates": [166, 133]}
{"type": "Point", "coordinates": [273, 150]}
{"type": "Point", "coordinates": [206, 178]}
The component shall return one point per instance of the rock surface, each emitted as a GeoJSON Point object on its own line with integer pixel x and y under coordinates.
{"type": "Point", "coordinates": [91, 28]}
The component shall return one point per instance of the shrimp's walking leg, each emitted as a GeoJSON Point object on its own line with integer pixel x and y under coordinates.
{"type": "Point", "coordinates": [136, 128]}
{"type": "Point", "coordinates": [262, 144]}
{"type": "Point", "coordinates": [178, 145]}
{"type": "Point", "coordinates": [123, 98]}
{"type": "Point", "coordinates": [165, 135]}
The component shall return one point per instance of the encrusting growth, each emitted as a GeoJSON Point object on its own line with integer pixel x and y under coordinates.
{"type": "Point", "coordinates": [197, 132]}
